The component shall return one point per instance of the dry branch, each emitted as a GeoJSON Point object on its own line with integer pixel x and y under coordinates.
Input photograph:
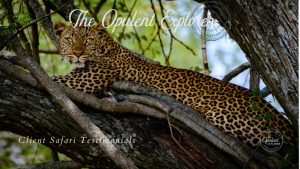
{"type": "Point", "coordinates": [203, 43]}
{"type": "Point", "coordinates": [35, 34]}
{"type": "Point", "coordinates": [236, 71]}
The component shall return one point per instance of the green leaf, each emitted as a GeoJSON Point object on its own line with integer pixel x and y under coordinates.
{"type": "Point", "coordinates": [24, 20]}
{"type": "Point", "coordinates": [198, 69]}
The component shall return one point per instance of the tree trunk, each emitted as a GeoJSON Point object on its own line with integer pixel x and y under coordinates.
{"type": "Point", "coordinates": [30, 112]}
{"type": "Point", "coordinates": [267, 31]}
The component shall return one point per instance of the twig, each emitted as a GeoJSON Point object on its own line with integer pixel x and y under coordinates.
{"type": "Point", "coordinates": [134, 28]}
{"type": "Point", "coordinates": [203, 43]}
{"type": "Point", "coordinates": [48, 11]}
{"type": "Point", "coordinates": [112, 14]}
{"type": "Point", "coordinates": [171, 33]}
{"type": "Point", "coordinates": [87, 5]}
{"type": "Point", "coordinates": [126, 20]}
{"type": "Point", "coordinates": [22, 34]}
{"type": "Point", "coordinates": [263, 92]}
{"type": "Point", "coordinates": [49, 51]}
{"type": "Point", "coordinates": [24, 39]}
{"type": "Point", "coordinates": [98, 7]}
{"type": "Point", "coordinates": [35, 153]}
{"type": "Point", "coordinates": [236, 71]}
{"type": "Point", "coordinates": [55, 4]}
{"type": "Point", "coordinates": [35, 34]}
{"type": "Point", "coordinates": [167, 56]}
{"type": "Point", "coordinates": [181, 147]}
{"type": "Point", "coordinates": [150, 43]}
{"type": "Point", "coordinates": [172, 36]}
{"type": "Point", "coordinates": [139, 40]}
{"type": "Point", "coordinates": [158, 33]}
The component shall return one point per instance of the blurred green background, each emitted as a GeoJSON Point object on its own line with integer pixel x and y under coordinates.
{"type": "Point", "coordinates": [223, 56]}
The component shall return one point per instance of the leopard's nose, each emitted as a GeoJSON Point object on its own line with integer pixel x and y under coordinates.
{"type": "Point", "coordinates": [78, 53]}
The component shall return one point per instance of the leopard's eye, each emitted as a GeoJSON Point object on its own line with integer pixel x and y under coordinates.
{"type": "Point", "coordinates": [69, 39]}
{"type": "Point", "coordinates": [89, 40]}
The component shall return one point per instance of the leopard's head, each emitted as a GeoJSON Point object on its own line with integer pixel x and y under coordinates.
{"type": "Point", "coordinates": [81, 44]}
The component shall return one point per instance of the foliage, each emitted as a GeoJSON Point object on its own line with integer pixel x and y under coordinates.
{"type": "Point", "coordinates": [5, 33]}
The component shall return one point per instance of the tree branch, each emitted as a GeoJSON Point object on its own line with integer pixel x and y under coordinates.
{"type": "Point", "coordinates": [153, 147]}
{"type": "Point", "coordinates": [236, 71]}
{"type": "Point", "coordinates": [157, 104]}
{"type": "Point", "coordinates": [35, 34]}
{"type": "Point", "coordinates": [179, 115]}
{"type": "Point", "coordinates": [203, 43]}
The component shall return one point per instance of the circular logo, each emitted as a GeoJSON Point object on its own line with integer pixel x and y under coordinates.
{"type": "Point", "coordinates": [203, 20]}
{"type": "Point", "coordinates": [271, 140]}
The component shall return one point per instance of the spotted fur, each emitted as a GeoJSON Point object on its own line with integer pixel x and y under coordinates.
{"type": "Point", "coordinates": [99, 61]}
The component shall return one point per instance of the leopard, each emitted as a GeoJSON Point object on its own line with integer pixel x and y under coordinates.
{"type": "Point", "coordinates": [99, 61]}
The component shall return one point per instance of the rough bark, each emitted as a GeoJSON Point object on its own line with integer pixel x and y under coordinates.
{"type": "Point", "coordinates": [30, 112]}
{"type": "Point", "coordinates": [267, 31]}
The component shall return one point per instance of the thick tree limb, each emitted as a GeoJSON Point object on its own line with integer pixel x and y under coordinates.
{"type": "Point", "coordinates": [144, 105]}
{"type": "Point", "coordinates": [153, 147]}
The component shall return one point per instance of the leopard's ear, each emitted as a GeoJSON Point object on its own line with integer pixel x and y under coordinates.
{"type": "Point", "coordinates": [59, 27]}
{"type": "Point", "coordinates": [100, 27]}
